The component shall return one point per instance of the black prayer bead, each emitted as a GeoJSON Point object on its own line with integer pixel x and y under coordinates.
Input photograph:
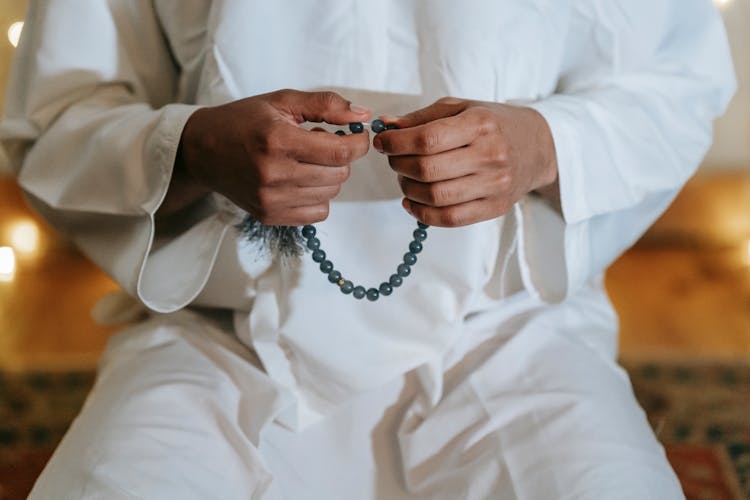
{"type": "Point", "coordinates": [318, 255]}
{"type": "Point", "coordinates": [347, 287]}
{"type": "Point", "coordinates": [373, 295]}
{"type": "Point", "coordinates": [420, 234]}
{"type": "Point", "coordinates": [410, 259]}
{"type": "Point", "coordinates": [309, 231]}
{"type": "Point", "coordinates": [403, 270]}
{"type": "Point", "coordinates": [378, 126]}
{"type": "Point", "coordinates": [356, 128]}
{"type": "Point", "coordinates": [313, 243]}
{"type": "Point", "coordinates": [340, 132]}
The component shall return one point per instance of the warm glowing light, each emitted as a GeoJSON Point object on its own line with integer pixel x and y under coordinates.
{"type": "Point", "coordinates": [7, 264]}
{"type": "Point", "coordinates": [24, 237]}
{"type": "Point", "coordinates": [14, 33]}
{"type": "Point", "coordinates": [723, 4]}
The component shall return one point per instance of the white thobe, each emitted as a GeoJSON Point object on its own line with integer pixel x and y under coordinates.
{"type": "Point", "coordinates": [489, 374]}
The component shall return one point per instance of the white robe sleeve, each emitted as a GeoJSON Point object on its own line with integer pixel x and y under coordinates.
{"type": "Point", "coordinates": [91, 130]}
{"type": "Point", "coordinates": [631, 119]}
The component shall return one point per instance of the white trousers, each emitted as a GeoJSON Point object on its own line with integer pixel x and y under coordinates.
{"type": "Point", "coordinates": [181, 410]}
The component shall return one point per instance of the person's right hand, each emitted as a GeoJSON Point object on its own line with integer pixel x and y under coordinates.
{"type": "Point", "coordinates": [254, 152]}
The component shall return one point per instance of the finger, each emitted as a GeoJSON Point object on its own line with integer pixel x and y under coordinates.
{"type": "Point", "coordinates": [307, 175]}
{"type": "Point", "coordinates": [442, 108]}
{"type": "Point", "coordinates": [297, 216]}
{"type": "Point", "coordinates": [275, 199]}
{"type": "Point", "coordinates": [324, 149]}
{"type": "Point", "coordinates": [446, 193]}
{"type": "Point", "coordinates": [305, 197]}
{"type": "Point", "coordinates": [431, 138]}
{"type": "Point", "coordinates": [287, 172]}
{"type": "Point", "coordinates": [452, 216]}
{"type": "Point", "coordinates": [433, 168]}
{"type": "Point", "coordinates": [327, 107]}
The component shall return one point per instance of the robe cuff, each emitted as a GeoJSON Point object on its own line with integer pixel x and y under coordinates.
{"type": "Point", "coordinates": [173, 273]}
{"type": "Point", "coordinates": [561, 114]}
{"type": "Point", "coordinates": [553, 255]}
{"type": "Point", "coordinates": [552, 246]}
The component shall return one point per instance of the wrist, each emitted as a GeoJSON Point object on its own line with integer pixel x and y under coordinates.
{"type": "Point", "coordinates": [186, 185]}
{"type": "Point", "coordinates": [189, 162]}
{"type": "Point", "coordinates": [546, 182]}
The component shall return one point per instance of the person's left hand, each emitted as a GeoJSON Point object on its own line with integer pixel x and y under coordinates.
{"type": "Point", "coordinates": [461, 162]}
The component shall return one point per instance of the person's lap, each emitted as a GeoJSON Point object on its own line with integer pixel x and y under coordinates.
{"type": "Point", "coordinates": [165, 420]}
{"type": "Point", "coordinates": [178, 409]}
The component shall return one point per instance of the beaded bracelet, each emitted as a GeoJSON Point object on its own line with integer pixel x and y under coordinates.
{"type": "Point", "coordinates": [403, 270]}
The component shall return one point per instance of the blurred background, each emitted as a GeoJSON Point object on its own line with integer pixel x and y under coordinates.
{"type": "Point", "coordinates": [683, 295]}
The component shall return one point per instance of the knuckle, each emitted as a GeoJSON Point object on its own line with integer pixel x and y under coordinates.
{"type": "Point", "coordinates": [327, 98]}
{"type": "Point", "coordinates": [448, 100]}
{"type": "Point", "coordinates": [499, 152]}
{"type": "Point", "coordinates": [426, 169]}
{"type": "Point", "coordinates": [485, 119]}
{"type": "Point", "coordinates": [427, 141]}
{"type": "Point", "coordinates": [341, 155]}
{"type": "Point", "coordinates": [438, 195]}
{"type": "Point", "coordinates": [504, 181]}
{"type": "Point", "coordinates": [429, 217]}
{"type": "Point", "coordinates": [451, 217]}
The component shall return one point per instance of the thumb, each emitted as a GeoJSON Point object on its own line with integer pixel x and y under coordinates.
{"type": "Point", "coordinates": [327, 107]}
{"type": "Point", "coordinates": [443, 108]}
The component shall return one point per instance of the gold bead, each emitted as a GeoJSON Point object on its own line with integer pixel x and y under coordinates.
{"type": "Point", "coordinates": [341, 282]}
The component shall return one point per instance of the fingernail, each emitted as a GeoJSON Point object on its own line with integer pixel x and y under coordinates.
{"type": "Point", "coordinates": [356, 108]}
{"type": "Point", "coordinates": [377, 143]}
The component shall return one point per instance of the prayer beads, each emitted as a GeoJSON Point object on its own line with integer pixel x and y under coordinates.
{"type": "Point", "coordinates": [359, 292]}
{"type": "Point", "coordinates": [402, 270]}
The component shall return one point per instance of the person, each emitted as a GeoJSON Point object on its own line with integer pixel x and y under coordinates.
{"type": "Point", "coordinates": [537, 139]}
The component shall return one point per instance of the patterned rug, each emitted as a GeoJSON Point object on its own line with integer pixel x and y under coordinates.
{"type": "Point", "coordinates": [35, 411]}
{"type": "Point", "coordinates": [700, 411]}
